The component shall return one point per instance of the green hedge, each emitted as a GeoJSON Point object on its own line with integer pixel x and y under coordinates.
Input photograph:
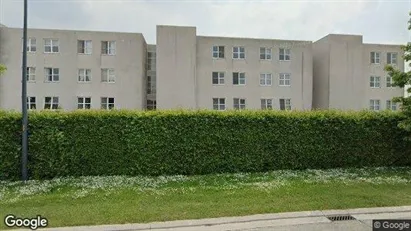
{"type": "Point", "coordinates": [199, 142]}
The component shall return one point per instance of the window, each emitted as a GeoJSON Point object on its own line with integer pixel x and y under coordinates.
{"type": "Point", "coordinates": [285, 54]}
{"type": "Point", "coordinates": [391, 105]}
{"type": "Point", "coordinates": [392, 58]}
{"type": "Point", "coordinates": [239, 103]}
{"type": "Point", "coordinates": [31, 74]}
{"type": "Point", "coordinates": [52, 74]}
{"type": "Point", "coordinates": [239, 78]}
{"type": "Point", "coordinates": [84, 75]}
{"type": "Point", "coordinates": [151, 105]}
{"type": "Point", "coordinates": [219, 104]}
{"type": "Point", "coordinates": [218, 52]}
{"type": "Point", "coordinates": [218, 78]}
{"type": "Point", "coordinates": [151, 61]}
{"type": "Point", "coordinates": [51, 102]}
{"type": "Point", "coordinates": [83, 102]}
{"type": "Point", "coordinates": [238, 53]}
{"type": "Point", "coordinates": [31, 103]}
{"type": "Point", "coordinates": [151, 84]}
{"type": "Point", "coordinates": [265, 53]}
{"type": "Point", "coordinates": [51, 46]}
{"type": "Point", "coordinates": [375, 104]}
{"type": "Point", "coordinates": [31, 45]}
{"type": "Point", "coordinates": [285, 104]}
{"type": "Point", "coordinates": [375, 82]}
{"type": "Point", "coordinates": [84, 47]}
{"type": "Point", "coordinates": [108, 47]}
{"type": "Point", "coordinates": [375, 57]}
{"type": "Point", "coordinates": [389, 81]}
{"type": "Point", "coordinates": [285, 79]}
{"type": "Point", "coordinates": [265, 79]}
{"type": "Point", "coordinates": [107, 103]}
{"type": "Point", "coordinates": [266, 104]}
{"type": "Point", "coordinates": [108, 75]}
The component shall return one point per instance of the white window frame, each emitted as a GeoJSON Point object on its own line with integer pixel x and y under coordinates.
{"type": "Point", "coordinates": [240, 104]}
{"type": "Point", "coordinates": [217, 51]}
{"type": "Point", "coordinates": [284, 80]}
{"type": "Point", "coordinates": [284, 54]}
{"type": "Point", "coordinates": [390, 58]}
{"type": "Point", "coordinates": [266, 104]}
{"type": "Point", "coordinates": [241, 78]}
{"type": "Point", "coordinates": [87, 46]}
{"type": "Point", "coordinates": [388, 83]}
{"type": "Point", "coordinates": [30, 104]}
{"type": "Point", "coordinates": [390, 105]}
{"type": "Point", "coordinates": [111, 75]}
{"type": "Point", "coordinates": [53, 44]}
{"type": "Point", "coordinates": [375, 57]}
{"type": "Point", "coordinates": [106, 105]}
{"type": "Point", "coordinates": [54, 75]}
{"type": "Point", "coordinates": [110, 47]}
{"type": "Point", "coordinates": [82, 105]}
{"type": "Point", "coordinates": [375, 81]}
{"type": "Point", "coordinates": [240, 53]}
{"type": "Point", "coordinates": [287, 104]}
{"type": "Point", "coordinates": [52, 103]}
{"type": "Point", "coordinates": [220, 105]}
{"type": "Point", "coordinates": [266, 79]}
{"type": "Point", "coordinates": [375, 104]}
{"type": "Point", "coordinates": [84, 75]}
{"type": "Point", "coordinates": [31, 74]}
{"type": "Point", "coordinates": [31, 45]}
{"type": "Point", "coordinates": [220, 78]}
{"type": "Point", "coordinates": [266, 53]}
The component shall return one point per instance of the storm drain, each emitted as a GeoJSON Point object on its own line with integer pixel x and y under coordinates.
{"type": "Point", "coordinates": [341, 218]}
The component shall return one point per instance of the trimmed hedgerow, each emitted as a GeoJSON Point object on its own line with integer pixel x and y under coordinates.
{"type": "Point", "coordinates": [199, 142]}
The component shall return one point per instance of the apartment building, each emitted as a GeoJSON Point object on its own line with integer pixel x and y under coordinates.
{"type": "Point", "coordinates": [349, 74]}
{"type": "Point", "coordinates": [104, 70]}
{"type": "Point", "coordinates": [201, 72]}
{"type": "Point", "coordinates": [74, 69]}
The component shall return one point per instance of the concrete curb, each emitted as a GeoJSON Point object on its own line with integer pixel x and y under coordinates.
{"type": "Point", "coordinates": [315, 215]}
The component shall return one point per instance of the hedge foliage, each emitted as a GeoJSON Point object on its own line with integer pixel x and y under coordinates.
{"type": "Point", "coordinates": [198, 142]}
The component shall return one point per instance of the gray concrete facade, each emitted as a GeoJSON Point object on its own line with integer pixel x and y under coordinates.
{"type": "Point", "coordinates": [87, 69]}
{"type": "Point", "coordinates": [344, 72]}
{"type": "Point", "coordinates": [189, 63]}
{"type": "Point", "coordinates": [127, 59]}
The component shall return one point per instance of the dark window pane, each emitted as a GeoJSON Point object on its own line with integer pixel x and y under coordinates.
{"type": "Point", "coordinates": [282, 104]}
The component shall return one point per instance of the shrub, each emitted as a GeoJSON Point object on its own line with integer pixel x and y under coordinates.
{"type": "Point", "coordinates": [199, 142]}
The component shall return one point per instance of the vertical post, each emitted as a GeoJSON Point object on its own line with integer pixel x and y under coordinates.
{"type": "Point", "coordinates": [24, 156]}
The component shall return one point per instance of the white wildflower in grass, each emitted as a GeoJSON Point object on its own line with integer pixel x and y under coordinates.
{"type": "Point", "coordinates": [35, 187]}
{"type": "Point", "coordinates": [2, 193]}
{"type": "Point", "coordinates": [267, 186]}
{"type": "Point", "coordinates": [83, 186]}
{"type": "Point", "coordinates": [12, 199]}
{"type": "Point", "coordinates": [80, 193]}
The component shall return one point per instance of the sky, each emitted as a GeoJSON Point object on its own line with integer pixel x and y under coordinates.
{"type": "Point", "coordinates": [379, 21]}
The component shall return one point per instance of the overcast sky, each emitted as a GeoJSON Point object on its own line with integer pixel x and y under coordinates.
{"type": "Point", "coordinates": [379, 21]}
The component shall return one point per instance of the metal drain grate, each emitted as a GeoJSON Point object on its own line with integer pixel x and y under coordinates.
{"type": "Point", "coordinates": [341, 218]}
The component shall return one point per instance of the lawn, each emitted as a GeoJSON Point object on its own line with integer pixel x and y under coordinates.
{"type": "Point", "coordinates": [118, 199]}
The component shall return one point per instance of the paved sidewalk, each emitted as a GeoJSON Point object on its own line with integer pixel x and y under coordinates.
{"type": "Point", "coordinates": [308, 220]}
